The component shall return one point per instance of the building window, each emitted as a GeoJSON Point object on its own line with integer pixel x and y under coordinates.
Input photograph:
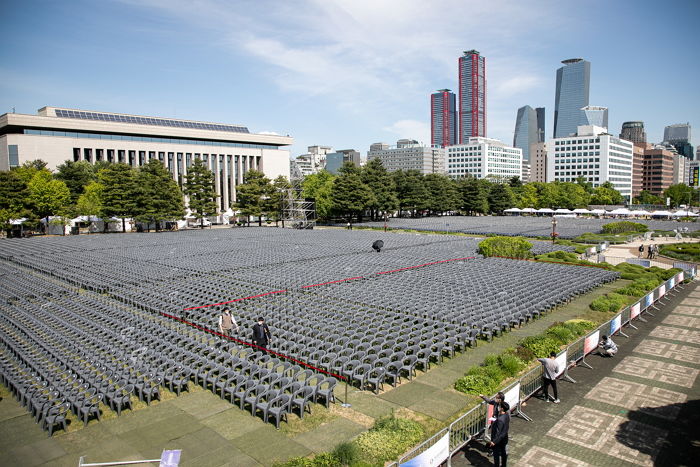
{"type": "Point", "coordinates": [132, 158]}
{"type": "Point", "coordinates": [76, 154]}
{"type": "Point", "coordinates": [121, 154]}
{"type": "Point", "coordinates": [13, 155]}
{"type": "Point", "coordinates": [87, 154]}
{"type": "Point", "coordinates": [142, 158]}
{"type": "Point", "coordinates": [98, 154]}
{"type": "Point", "coordinates": [110, 155]}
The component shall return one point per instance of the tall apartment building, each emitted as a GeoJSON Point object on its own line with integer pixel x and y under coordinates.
{"type": "Point", "coordinates": [538, 162]}
{"type": "Point", "coordinates": [443, 118]}
{"type": "Point", "coordinates": [335, 160]}
{"type": "Point", "coordinates": [409, 155]}
{"type": "Point", "coordinates": [56, 135]}
{"type": "Point", "coordinates": [638, 149]}
{"type": "Point", "coordinates": [594, 115]}
{"type": "Point", "coordinates": [472, 96]}
{"type": "Point", "coordinates": [633, 131]}
{"type": "Point", "coordinates": [572, 94]}
{"type": "Point", "coordinates": [678, 136]}
{"type": "Point", "coordinates": [529, 128]}
{"type": "Point", "coordinates": [592, 153]}
{"type": "Point", "coordinates": [658, 169]}
{"type": "Point", "coordinates": [484, 157]}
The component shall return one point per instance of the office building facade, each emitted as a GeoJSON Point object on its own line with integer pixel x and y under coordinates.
{"type": "Point", "coordinates": [335, 160]}
{"type": "Point", "coordinates": [634, 132]}
{"type": "Point", "coordinates": [56, 135]}
{"type": "Point", "coordinates": [538, 162]}
{"type": "Point", "coordinates": [680, 132]}
{"type": "Point", "coordinates": [526, 130]}
{"type": "Point", "coordinates": [484, 158]}
{"type": "Point", "coordinates": [637, 167]}
{"type": "Point", "coordinates": [593, 154]}
{"type": "Point", "coordinates": [409, 155]}
{"type": "Point", "coordinates": [594, 116]}
{"type": "Point", "coordinates": [472, 96]}
{"type": "Point", "coordinates": [540, 124]}
{"type": "Point", "coordinates": [659, 167]}
{"type": "Point", "coordinates": [572, 94]}
{"type": "Point", "coordinates": [443, 118]}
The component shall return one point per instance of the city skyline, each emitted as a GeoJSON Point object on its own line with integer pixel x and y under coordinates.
{"type": "Point", "coordinates": [358, 74]}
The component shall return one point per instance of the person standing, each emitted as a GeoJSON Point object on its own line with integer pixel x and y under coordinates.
{"type": "Point", "coordinates": [497, 401]}
{"type": "Point", "coordinates": [549, 378]}
{"type": "Point", "coordinates": [641, 250]}
{"type": "Point", "coordinates": [227, 323]}
{"type": "Point", "coordinates": [499, 436]}
{"type": "Point", "coordinates": [261, 334]}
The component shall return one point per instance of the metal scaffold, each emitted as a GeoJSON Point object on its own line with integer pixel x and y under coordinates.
{"type": "Point", "coordinates": [297, 212]}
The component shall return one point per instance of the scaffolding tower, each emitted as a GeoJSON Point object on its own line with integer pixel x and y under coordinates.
{"type": "Point", "coordinates": [297, 212]}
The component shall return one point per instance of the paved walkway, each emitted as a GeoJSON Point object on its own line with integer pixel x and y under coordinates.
{"type": "Point", "coordinates": [641, 407]}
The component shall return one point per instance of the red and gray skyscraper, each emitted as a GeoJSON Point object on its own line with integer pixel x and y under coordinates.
{"type": "Point", "coordinates": [443, 118]}
{"type": "Point", "coordinates": [472, 96]}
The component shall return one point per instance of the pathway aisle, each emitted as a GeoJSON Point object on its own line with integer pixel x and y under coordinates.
{"type": "Point", "coordinates": [641, 407]}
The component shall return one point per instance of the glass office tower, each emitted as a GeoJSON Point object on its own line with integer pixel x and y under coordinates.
{"type": "Point", "coordinates": [443, 118]}
{"type": "Point", "coordinates": [526, 127]}
{"type": "Point", "coordinates": [572, 93]}
{"type": "Point", "coordinates": [592, 115]}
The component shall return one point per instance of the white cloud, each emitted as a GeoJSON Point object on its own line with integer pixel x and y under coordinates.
{"type": "Point", "coordinates": [410, 129]}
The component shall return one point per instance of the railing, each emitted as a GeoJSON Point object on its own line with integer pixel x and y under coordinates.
{"type": "Point", "coordinates": [475, 422]}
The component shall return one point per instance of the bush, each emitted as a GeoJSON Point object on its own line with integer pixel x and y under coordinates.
{"type": "Point", "coordinates": [346, 453]}
{"type": "Point", "coordinates": [510, 364]}
{"type": "Point", "coordinates": [511, 247]}
{"type": "Point", "coordinates": [389, 438]}
{"type": "Point", "coordinates": [580, 326]}
{"type": "Point", "coordinates": [523, 353]}
{"type": "Point", "coordinates": [324, 459]}
{"type": "Point", "coordinates": [639, 287]}
{"type": "Point", "coordinates": [611, 302]}
{"type": "Point", "coordinates": [624, 227]}
{"type": "Point", "coordinates": [541, 346]}
{"type": "Point", "coordinates": [562, 334]}
{"type": "Point", "coordinates": [476, 384]}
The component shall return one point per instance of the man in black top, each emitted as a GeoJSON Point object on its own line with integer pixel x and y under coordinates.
{"type": "Point", "coordinates": [261, 334]}
{"type": "Point", "coordinates": [499, 436]}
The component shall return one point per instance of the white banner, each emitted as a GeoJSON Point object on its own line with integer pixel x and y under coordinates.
{"type": "Point", "coordinates": [615, 324]}
{"type": "Point", "coordinates": [662, 290]}
{"type": "Point", "coordinates": [561, 361]}
{"type": "Point", "coordinates": [634, 311]}
{"type": "Point", "coordinates": [513, 396]}
{"type": "Point", "coordinates": [591, 343]}
{"type": "Point", "coordinates": [433, 456]}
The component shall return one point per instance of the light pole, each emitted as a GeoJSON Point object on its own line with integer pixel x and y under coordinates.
{"type": "Point", "coordinates": [554, 229]}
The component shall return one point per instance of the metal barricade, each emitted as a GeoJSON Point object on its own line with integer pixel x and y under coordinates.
{"type": "Point", "coordinates": [575, 350]}
{"type": "Point", "coordinates": [466, 427]}
{"type": "Point", "coordinates": [424, 446]}
{"type": "Point", "coordinates": [531, 382]}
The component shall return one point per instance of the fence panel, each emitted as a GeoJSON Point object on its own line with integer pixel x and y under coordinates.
{"type": "Point", "coordinates": [531, 382]}
{"type": "Point", "coordinates": [467, 426]}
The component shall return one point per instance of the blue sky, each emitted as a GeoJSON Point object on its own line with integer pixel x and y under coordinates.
{"type": "Point", "coordinates": [347, 73]}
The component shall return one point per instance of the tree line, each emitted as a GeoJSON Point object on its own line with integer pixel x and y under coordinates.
{"type": "Point", "coordinates": [375, 192]}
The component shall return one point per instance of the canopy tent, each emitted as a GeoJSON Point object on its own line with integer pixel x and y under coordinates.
{"type": "Point", "coordinates": [530, 210]}
{"type": "Point", "coordinates": [513, 210]}
{"type": "Point", "coordinates": [620, 212]}
{"type": "Point", "coordinates": [682, 213]}
{"type": "Point", "coordinates": [598, 211]}
{"type": "Point", "coordinates": [640, 212]}
{"type": "Point", "coordinates": [18, 221]}
{"type": "Point", "coordinates": [545, 211]}
{"type": "Point", "coordinates": [661, 214]}
{"type": "Point", "coordinates": [581, 211]}
{"type": "Point", "coordinates": [563, 211]}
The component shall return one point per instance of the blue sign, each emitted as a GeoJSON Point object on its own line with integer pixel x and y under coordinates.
{"type": "Point", "coordinates": [648, 300]}
{"type": "Point", "coordinates": [170, 458]}
{"type": "Point", "coordinates": [615, 324]}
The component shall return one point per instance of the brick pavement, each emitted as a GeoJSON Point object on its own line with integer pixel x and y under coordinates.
{"type": "Point", "coordinates": [639, 408]}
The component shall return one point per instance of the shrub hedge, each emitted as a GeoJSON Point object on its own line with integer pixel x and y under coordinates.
{"type": "Point", "coordinates": [511, 247]}
{"type": "Point", "coordinates": [389, 438]}
{"type": "Point", "coordinates": [624, 227]}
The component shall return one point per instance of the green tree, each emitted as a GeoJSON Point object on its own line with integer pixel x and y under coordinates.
{"type": "Point", "coordinates": [376, 177]}
{"type": "Point", "coordinates": [442, 193]}
{"type": "Point", "coordinates": [76, 175]}
{"type": "Point", "coordinates": [679, 194]}
{"type": "Point", "coordinates": [646, 197]}
{"type": "Point", "coordinates": [571, 195]}
{"type": "Point", "coordinates": [411, 193]}
{"type": "Point", "coordinates": [199, 188]}
{"type": "Point", "coordinates": [252, 195]}
{"type": "Point", "coordinates": [515, 182]}
{"type": "Point", "coordinates": [527, 198]}
{"type": "Point", "coordinates": [90, 202]}
{"type": "Point", "coordinates": [586, 185]}
{"type": "Point", "coordinates": [473, 195]}
{"type": "Point", "coordinates": [318, 187]}
{"type": "Point", "coordinates": [158, 196]}
{"type": "Point", "coordinates": [119, 192]}
{"type": "Point", "coordinates": [280, 190]}
{"type": "Point", "coordinates": [14, 198]}
{"type": "Point", "coordinates": [606, 194]}
{"type": "Point", "coordinates": [500, 198]}
{"type": "Point", "coordinates": [547, 194]}
{"type": "Point", "coordinates": [48, 196]}
{"type": "Point", "coordinates": [349, 195]}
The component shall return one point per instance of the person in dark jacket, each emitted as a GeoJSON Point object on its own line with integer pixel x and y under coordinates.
{"type": "Point", "coordinates": [499, 436]}
{"type": "Point", "coordinates": [261, 334]}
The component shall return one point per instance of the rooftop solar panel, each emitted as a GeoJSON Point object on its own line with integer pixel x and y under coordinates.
{"type": "Point", "coordinates": [148, 121]}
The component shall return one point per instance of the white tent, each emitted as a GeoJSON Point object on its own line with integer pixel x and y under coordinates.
{"type": "Point", "coordinates": [582, 211]}
{"type": "Point", "coordinates": [661, 214]}
{"type": "Point", "coordinates": [545, 211]}
{"type": "Point", "coordinates": [18, 221]}
{"type": "Point", "coordinates": [620, 212]}
{"type": "Point", "coordinates": [640, 212]}
{"type": "Point", "coordinates": [682, 213]}
{"type": "Point", "coordinates": [598, 211]}
{"type": "Point", "coordinates": [513, 210]}
{"type": "Point", "coordinates": [563, 211]}
{"type": "Point", "coordinates": [531, 210]}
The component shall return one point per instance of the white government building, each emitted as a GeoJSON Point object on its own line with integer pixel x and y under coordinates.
{"type": "Point", "coordinates": [594, 154]}
{"type": "Point", "coordinates": [484, 157]}
{"type": "Point", "coordinates": [56, 135]}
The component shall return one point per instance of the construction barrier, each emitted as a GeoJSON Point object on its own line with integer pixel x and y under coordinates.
{"type": "Point", "coordinates": [474, 424]}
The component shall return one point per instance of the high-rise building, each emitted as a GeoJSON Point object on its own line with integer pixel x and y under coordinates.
{"type": "Point", "coordinates": [680, 132]}
{"type": "Point", "coordinates": [310, 163]}
{"type": "Point", "coordinates": [633, 131]}
{"type": "Point", "coordinates": [637, 167]}
{"type": "Point", "coordinates": [572, 93]}
{"type": "Point", "coordinates": [593, 154]}
{"type": "Point", "coordinates": [658, 169]}
{"type": "Point", "coordinates": [409, 154]}
{"type": "Point", "coordinates": [697, 153]}
{"type": "Point", "coordinates": [525, 130]}
{"type": "Point", "coordinates": [595, 116]}
{"type": "Point", "coordinates": [472, 96]}
{"type": "Point", "coordinates": [484, 157]}
{"type": "Point", "coordinates": [443, 118]}
{"type": "Point", "coordinates": [540, 124]}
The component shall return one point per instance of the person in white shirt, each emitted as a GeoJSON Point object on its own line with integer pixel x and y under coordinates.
{"type": "Point", "coordinates": [607, 347]}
